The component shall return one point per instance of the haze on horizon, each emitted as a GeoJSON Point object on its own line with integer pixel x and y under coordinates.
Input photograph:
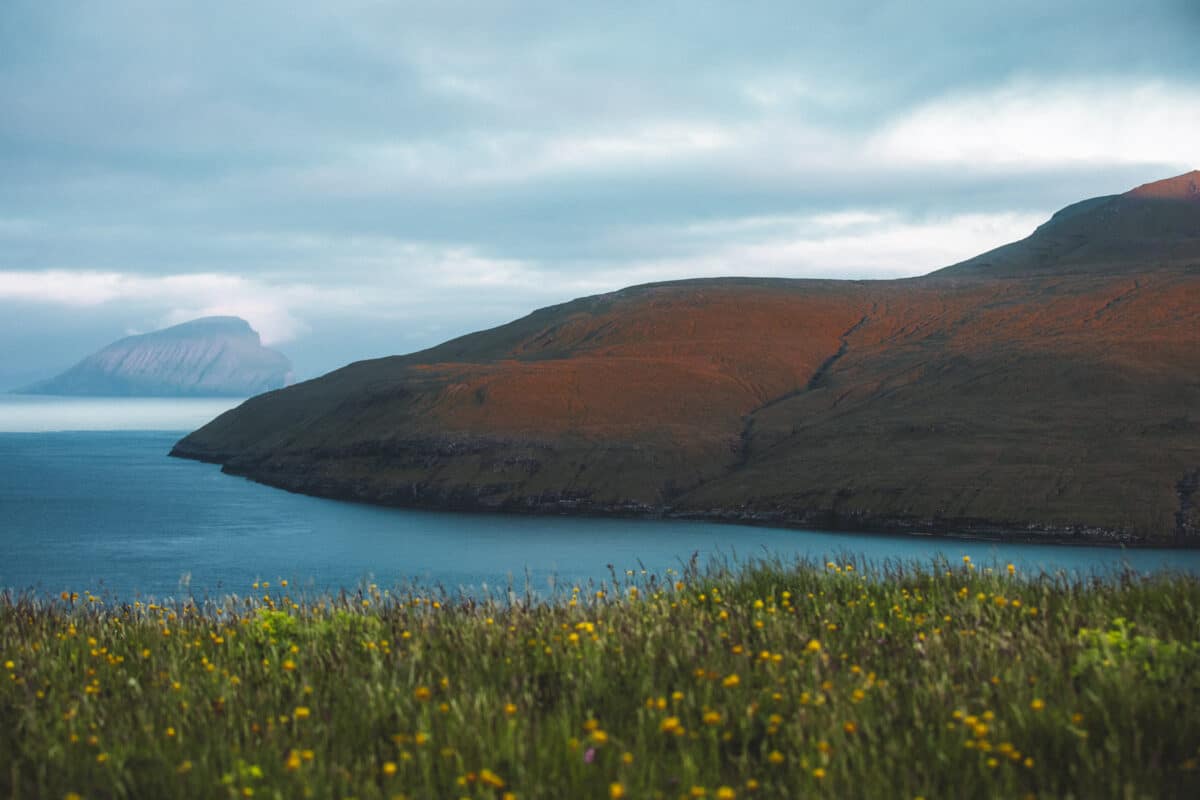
{"type": "Point", "coordinates": [359, 179]}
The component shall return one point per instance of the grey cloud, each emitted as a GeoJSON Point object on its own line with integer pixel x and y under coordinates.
{"type": "Point", "coordinates": [150, 138]}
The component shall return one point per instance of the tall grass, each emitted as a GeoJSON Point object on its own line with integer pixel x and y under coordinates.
{"type": "Point", "coordinates": [759, 680]}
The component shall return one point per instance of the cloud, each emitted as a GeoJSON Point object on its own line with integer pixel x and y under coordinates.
{"type": "Point", "coordinates": [325, 168]}
{"type": "Point", "coordinates": [1030, 124]}
{"type": "Point", "coordinates": [183, 297]}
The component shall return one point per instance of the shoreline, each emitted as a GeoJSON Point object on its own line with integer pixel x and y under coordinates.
{"type": "Point", "coordinates": [458, 501]}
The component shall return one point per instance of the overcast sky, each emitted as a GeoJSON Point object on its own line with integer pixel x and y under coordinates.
{"type": "Point", "coordinates": [364, 178]}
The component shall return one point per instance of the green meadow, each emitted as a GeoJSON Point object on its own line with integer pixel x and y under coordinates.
{"type": "Point", "coordinates": [764, 679]}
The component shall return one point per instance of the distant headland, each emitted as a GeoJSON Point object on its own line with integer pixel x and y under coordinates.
{"type": "Point", "coordinates": [206, 357]}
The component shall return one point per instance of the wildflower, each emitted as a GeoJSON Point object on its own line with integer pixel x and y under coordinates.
{"type": "Point", "coordinates": [819, 773]}
{"type": "Point", "coordinates": [626, 758]}
{"type": "Point", "coordinates": [813, 646]}
{"type": "Point", "coordinates": [422, 693]}
{"type": "Point", "coordinates": [670, 725]}
{"type": "Point", "coordinates": [731, 681]}
{"type": "Point", "coordinates": [1038, 704]}
{"type": "Point", "coordinates": [491, 779]}
{"type": "Point", "coordinates": [616, 791]}
{"type": "Point", "coordinates": [510, 709]}
{"type": "Point", "coordinates": [389, 768]}
{"type": "Point", "coordinates": [184, 767]}
{"type": "Point", "coordinates": [775, 757]}
{"type": "Point", "coordinates": [302, 712]}
{"type": "Point", "coordinates": [725, 793]}
{"type": "Point", "coordinates": [599, 737]}
{"type": "Point", "coordinates": [293, 761]}
{"type": "Point", "coordinates": [849, 727]}
{"type": "Point", "coordinates": [712, 718]}
{"type": "Point", "coordinates": [289, 665]}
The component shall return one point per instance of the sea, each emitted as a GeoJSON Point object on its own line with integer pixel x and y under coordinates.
{"type": "Point", "coordinates": [90, 501]}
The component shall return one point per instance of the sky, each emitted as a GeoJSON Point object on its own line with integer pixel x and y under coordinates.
{"type": "Point", "coordinates": [359, 179]}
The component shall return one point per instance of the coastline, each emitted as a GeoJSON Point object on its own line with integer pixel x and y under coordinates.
{"type": "Point", "coordinates": [467, 499]}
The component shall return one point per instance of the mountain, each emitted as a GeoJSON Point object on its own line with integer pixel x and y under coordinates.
{"type": "Point", "coordinates": [1049, 390]}
{"type": "Point", "coordinates": [211, 356]}
{"type": "Point", "coordinates": [1155, 225]}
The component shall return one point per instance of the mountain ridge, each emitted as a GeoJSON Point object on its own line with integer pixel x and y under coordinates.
{"type": "Point", "coordinates": [209, 356]}
{"type": "Point", "coordinates": [1049, 404]}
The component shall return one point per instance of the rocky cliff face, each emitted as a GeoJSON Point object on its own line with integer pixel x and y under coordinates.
{"type": "Point", "coordinates": [212, 356]}
{"type": "Point", "coordinates": [1054, 396]}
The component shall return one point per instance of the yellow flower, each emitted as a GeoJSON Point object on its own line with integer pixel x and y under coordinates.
{"type": "Point", "coordinates": [849, 727]}
{"type": "Point", "coordinates": [818, 773]}
{"type": "Point", "coordinates": [293, 761]}
{"type": "Point", "coordinates": [751, 785]}
{"type": "Point", "coordinates": [510, 709]}
{"type": "Point", "coordinates": [302, 712]}
{"type": "Point", "coordinates": [726, 793]}
{"type": "Point", "coordinates": [1011, 569]}
{"type": "Point", "coordinates": [184, 767]}
{"type": "Point", "coordinates": [775, 757]}
{"type": "Point", "coordinates": [616, 791]}
{"type": "Point", "coordinates": [1038, 704]}
{"type": "Point", "coordinates": [627, 758]}
{"type": "Point", "coordinates": [712, 718]}
{"type": "Point", "coordinates": [422, 693]}
{"type": "Point", "coordinates": [731, 681]}
{"type": "Point", "coordinates": [669, 725]}
{"type": "Point", "coordinates": [289, 665]}
{"type": "Point", "coordinates": [491, 779]}
{"type": "Point", "coordinates": [389, 768]}
{"type": "Point", "coordinates": [599, 737]}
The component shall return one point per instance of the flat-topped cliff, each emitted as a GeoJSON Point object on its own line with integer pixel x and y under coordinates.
{"type": "Point", "coordinates": [211, 356]}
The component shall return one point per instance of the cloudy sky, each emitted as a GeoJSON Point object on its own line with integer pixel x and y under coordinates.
{"type": "Point", "coordinates": [365, 178]}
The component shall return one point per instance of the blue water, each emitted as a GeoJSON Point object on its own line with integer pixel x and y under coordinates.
{"type": "Point", "coordinates": [109, 511]}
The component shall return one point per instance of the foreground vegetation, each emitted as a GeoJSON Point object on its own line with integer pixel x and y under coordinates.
{"type": "Point", "coordinates": [762, 681]}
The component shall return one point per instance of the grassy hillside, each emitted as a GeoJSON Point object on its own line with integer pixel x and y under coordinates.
{"type": "Point", "coordinates": [766, 681]}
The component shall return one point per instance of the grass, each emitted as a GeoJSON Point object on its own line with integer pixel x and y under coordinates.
{"type": "Point", "coordinates": [765, 680]}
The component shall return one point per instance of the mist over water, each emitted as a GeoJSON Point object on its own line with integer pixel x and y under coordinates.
{"type": "Point", "coordinates": [108, 510]}
{"type": "Point", "coordinates": [38, 413]}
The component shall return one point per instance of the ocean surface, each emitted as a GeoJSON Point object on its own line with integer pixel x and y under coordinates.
{"type": "Point", "coordinates": [107, 510]}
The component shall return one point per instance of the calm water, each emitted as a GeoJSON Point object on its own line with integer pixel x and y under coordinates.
{"type": "Point", "coordinates": [109, 510]}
